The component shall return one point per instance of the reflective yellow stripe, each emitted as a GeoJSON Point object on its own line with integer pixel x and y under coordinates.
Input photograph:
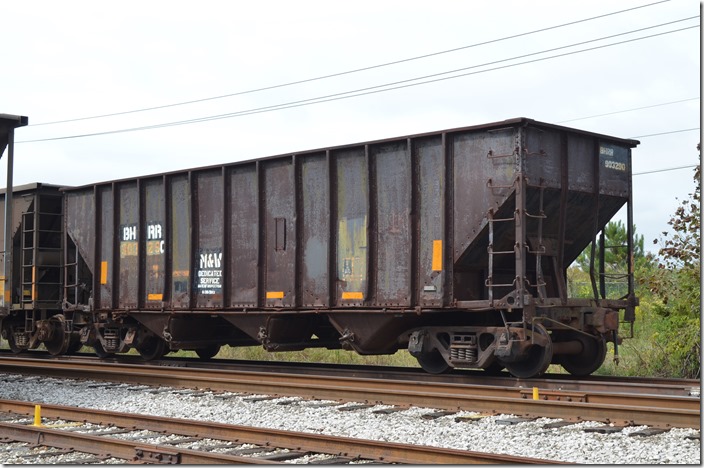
{"type": "Point", "coordinates": [103, 272]}
{"type": "Point", "coordinates": [437, 255]}
{"type": "Point", "coordinates": [352, 295]}
{"type": "Point", "coordinates": [274, 294]}
{"type": "Point", "coordinates": [154, 297]}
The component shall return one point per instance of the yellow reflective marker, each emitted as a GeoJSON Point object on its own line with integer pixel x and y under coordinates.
{"type": "Point", "coordinates": [437, 255]}
{"type": "Point", "coordinates": [37, 415]}
{"type": "Point", "coordinates": [103, 272]}
{"type": "Point", "coordinates": [353, 295]}
{"type": "Point", "coordinates": [274, 294]}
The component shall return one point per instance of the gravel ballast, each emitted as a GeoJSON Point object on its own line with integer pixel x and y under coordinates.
{"type": "Point", "coordinates": [486, 434]}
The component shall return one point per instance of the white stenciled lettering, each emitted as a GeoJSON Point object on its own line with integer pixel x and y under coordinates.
{"type": "Point", "coordinates": [618, 166]}
{"type": "Point", "coordinates": [606, 151]}
{"type": "Point", "coordinates": [154, 231]}
{"type": "Point", "coordinates": [210, 260]}
{"type": "Point", "coordinates": [129, 233]}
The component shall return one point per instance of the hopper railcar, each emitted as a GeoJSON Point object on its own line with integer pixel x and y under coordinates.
{"type": "Point", "coordinates": [453, 244]}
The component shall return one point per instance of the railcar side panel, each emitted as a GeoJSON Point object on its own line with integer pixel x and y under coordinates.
{"type": "Point", "coordinates": [129, 231]}
{"type": "Point", "coordinates": [179, 242]}
{"type": "Point", "coordinates": [208, 203]}
{"type": "Point", "coordinates": [431, 208]}
{"type": "Point", "coordinates": [485, 165]}
{"type": "Point", "coordinates": [280, 230]}
{"type": "Point", "coordinates": [154, 219]}
{"type": "Point", "coordinates": [244, 236]}
{"type": "Point", "coordinates": [393, 166]}
{"type": "Point", "coordinates": [106, 247]}
{"type": "Point", "coordinates": [352, 227]}
{"type": "Point", "coordinates": [314, 225]}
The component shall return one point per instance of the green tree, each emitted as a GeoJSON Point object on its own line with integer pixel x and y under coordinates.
{"type": "Point", "coordinates": [615, 260]}
{"type": "Point", "coordinates": [615, 251]}
{"type": "Point", "coordinates": [677, 287]}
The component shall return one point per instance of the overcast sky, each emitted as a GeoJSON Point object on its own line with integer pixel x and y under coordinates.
{"type": "Point", "coordinates": [74, 59]}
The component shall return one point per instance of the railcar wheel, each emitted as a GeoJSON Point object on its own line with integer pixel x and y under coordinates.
{"type": "Point", "coordinates": [75, 345]}
{"type": "Point", "coordinates": [100, 351]}
{"type": "Point", "coordinates": [208, 351]}
{"type": "Point", "coordinates": [590, 359]}
{"type": "Point", "coordinates": [432, 362]}
{"type": "Point", "coordinates": [59, 340]}
{"type": "Point", "coordinates": [12, 343]}
{"type": "Point", "coordinates": [494, 368]}
{"type": "Point", "coordinates": [537, 360]}
{"type": "Point", "coordinates": [152, 348]}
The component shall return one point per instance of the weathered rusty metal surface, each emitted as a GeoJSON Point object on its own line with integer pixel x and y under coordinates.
{"type": "Point", "coordinates": [394, 230]}
{"type": "Point", "coordinates": [352, 231]}
{"type": "Point", "coordinates": [129, 232]}
{"type": "Point", "coordinates": [24, 199]}
{"type": "Point", "coordinates": [154, 219]}
{"type": "Point", "coordinates": [80, 206]}
{"type": "Point", "coordinates": [244, 236]}
{"type": "Point", "coordinates": [429, 220]}
{"type": "Point", "coordinates": [178, 233]}
{"type": "Point", "coordinates": [279, 225]}
{"type": "Point", "coordinates": [105, 246]}
{"type": "Point", "coordinates": [431, 189]}
{"type": "Point", "coordinates": [208, 227]}
{"type": "Point", "coordinates": [314, 223]}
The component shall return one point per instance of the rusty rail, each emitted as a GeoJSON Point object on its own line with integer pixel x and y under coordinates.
{"type": "Point", "coordinates": [620, 408]}
{"type": "Point", "coordinates": [386, 452]}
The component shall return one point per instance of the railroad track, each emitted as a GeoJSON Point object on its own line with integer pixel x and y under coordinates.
{"type": "Point", "coordinates": [94, 436]}
{"type": "Point", "coordinates": [663, 405]}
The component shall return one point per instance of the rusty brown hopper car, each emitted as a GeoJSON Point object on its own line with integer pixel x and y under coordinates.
{"type": "Point", "coordinates": [453, 244]}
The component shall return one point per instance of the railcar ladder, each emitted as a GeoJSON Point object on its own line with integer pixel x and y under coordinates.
{"type": "Point", "coordinates": [521, 246]}
{"type": "Point", "coordinates": [41, 252]}
{"type": "Point", "coordinates": [489, 282]}
{"type": "Point", "coordinates": [540, 250]}
{"type": "Point", "coordinates": [490, 276]}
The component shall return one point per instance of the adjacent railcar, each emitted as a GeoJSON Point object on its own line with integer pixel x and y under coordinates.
{"type": "Point", "coordinates": [453, 244]}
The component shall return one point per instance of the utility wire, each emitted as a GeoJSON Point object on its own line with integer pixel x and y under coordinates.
{"type": "Point", "coordinates": [665, 170]}
{"type": "Point", "coordinates": [388, 86]}
{"type": "Point", "coordinates": [630, 110]}
{"type": "Point", "coordinates": [357, 70]}
{"type": "Point", "coordinates": [666, 133]}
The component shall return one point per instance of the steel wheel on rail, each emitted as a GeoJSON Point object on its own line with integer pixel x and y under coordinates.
{"type": "Point", "coordinates": [208, 352]}
{"type": "Point", "coordinates": [495, 368]}
{"type": "Point", "coordinates": [75, 345]}
{"type": "Point", "coordinates": [99, 350]}
{"type": "Point", "coordinates": [537, 360]}
{"type": "Point", "coordinates": [9, 333]}
{"type": "Point", "coordinates": [59, 339]}
{"type": "Point", "coordinates": [432, 362]}
{"type": "Point", "coordinates": [590, 359]}
{"type": "Point", "coordinates": [153, 347]}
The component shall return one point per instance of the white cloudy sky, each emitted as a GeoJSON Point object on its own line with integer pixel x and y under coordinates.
{"type": "Point", "coordinates": [73, 59]}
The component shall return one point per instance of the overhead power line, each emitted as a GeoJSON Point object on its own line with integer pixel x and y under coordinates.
{"type": "Point", "coordinates": [665, 170]}
{"type": "Point", "coordinates": [630, 110]}
{"type": "Point", "coordinates": [357, 70]}
{"type": "Point", "coordinates": [390, 86]}
{"type": "Point", "coordinates": [667, 133]}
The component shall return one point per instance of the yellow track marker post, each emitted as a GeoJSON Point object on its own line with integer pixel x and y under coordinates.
{"type": "Point", "coordinates": [37, 415]}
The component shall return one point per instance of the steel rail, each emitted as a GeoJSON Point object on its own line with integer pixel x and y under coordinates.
{"type": "Point", "coordinates": [618, 408]}
{"type": "Point", "coordinates": [387, 452]}
{"type": "Point", "coordinates": [116, 448]}
{"type": "Point", "coordinates": [548, 382]}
